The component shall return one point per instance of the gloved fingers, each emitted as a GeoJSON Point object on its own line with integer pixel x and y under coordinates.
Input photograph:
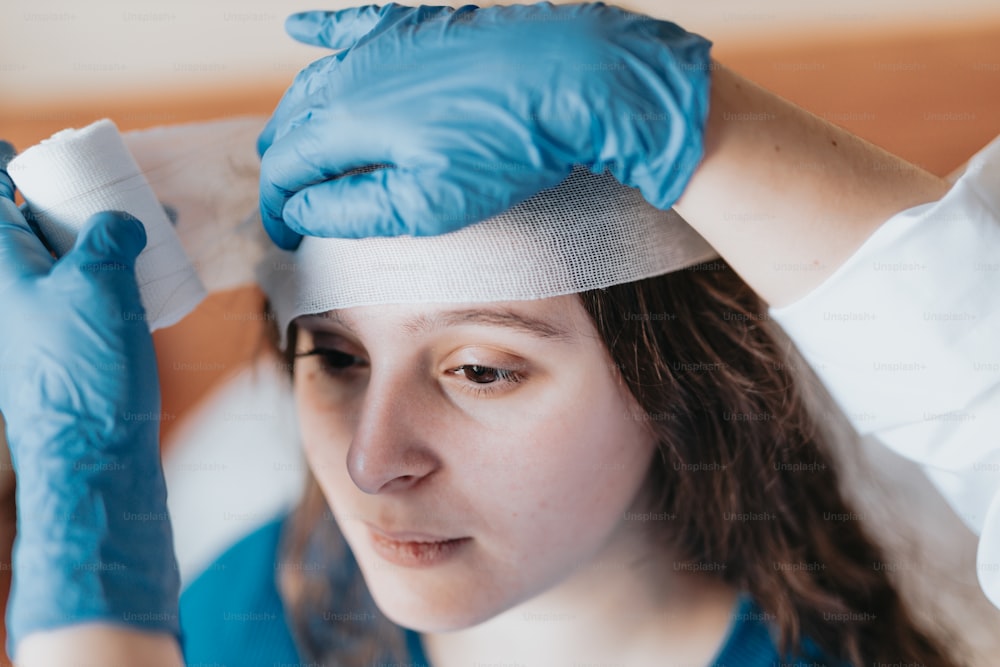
{"type": "Point", "coordinates": [22, 253]}
{"type": "Point", "coordinates": [280, 234]}
{"type": "Point", "coordinates": [339, 30]}
{"type": "Point", "coordinates": [29, 217]}
{"type": "Point", "coordinates": [306, 156]}
{"type": "Point", "coordinates": [110, 241]}
{"type": "Point", "coordinates": [333, 29]}
{"type": "Point", "coordinates": [385, 202]}
{"type": "Point", "coordinates": [354, 206]}
{"type": "Point", "coordinates": [266, 136]}
{"type": "Point", "coordinates": [297, 96]}
{"type": "Point", "coordinates": [102, 265]}
{"type": "Point", "coordinates": [344, 28]}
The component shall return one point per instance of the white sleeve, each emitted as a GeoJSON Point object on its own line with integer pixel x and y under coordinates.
{"type": "Point", "coordinates": [906, 337]}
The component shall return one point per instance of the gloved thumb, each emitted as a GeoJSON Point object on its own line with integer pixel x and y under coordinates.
{"type": "Point", "coordinates": [334, 30]}
{"type": "Point", "coordinates": [110, 236]}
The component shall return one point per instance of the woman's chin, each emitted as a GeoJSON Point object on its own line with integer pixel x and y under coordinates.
{"type": "Point", "coordinates": [441, 610]}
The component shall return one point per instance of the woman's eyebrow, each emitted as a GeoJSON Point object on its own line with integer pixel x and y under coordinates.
{"type": "Point", "coordinates": [494, 317]}
{"type": "Point", "coordinates": [422, 324]}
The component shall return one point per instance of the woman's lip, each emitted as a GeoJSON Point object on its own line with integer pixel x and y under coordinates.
{"type": "Point", "coordinates": [416, 553]}
{"type": "Point", "coordinates": [409, 536]}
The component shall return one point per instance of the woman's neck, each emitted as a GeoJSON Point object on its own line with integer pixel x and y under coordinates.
{"type": "Point", "coordinates": [630, 605]}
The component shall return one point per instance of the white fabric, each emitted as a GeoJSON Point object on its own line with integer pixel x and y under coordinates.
{"type": "Point", "coordinates": [588, 232]}
{"type": "Point", "coordinates": [208, 174]}
{"type": "Point", "coordinates": [77, 173]}
{"type": "Point", "coordinates": [928, 550]}
{"type": "Point", "coordinates": [906, 337]}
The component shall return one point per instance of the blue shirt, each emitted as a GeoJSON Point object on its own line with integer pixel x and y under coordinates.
{"type": "Point", "coordinates": [233, 616]}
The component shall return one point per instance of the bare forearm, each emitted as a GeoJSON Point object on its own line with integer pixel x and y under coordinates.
{"type": "Point", "coordinates": [786, 197]}
{"type": "Point", "coordinates": [95, 645]}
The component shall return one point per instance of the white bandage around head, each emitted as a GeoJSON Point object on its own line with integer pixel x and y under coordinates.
{"type": "Point", "coordinates": [589, 232]}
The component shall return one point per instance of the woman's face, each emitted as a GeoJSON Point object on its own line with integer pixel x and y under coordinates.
{"type": "Point", "coordinates": [473, 456]}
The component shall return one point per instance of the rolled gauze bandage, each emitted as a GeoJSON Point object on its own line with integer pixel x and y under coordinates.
{"type": "Point", "coordinates": [76, 173]}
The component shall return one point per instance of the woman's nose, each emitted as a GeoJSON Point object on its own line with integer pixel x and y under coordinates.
{"type": "Point", "coordinates": [391, 448]}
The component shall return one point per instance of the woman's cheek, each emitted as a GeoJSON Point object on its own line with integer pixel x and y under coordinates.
{"type": "Point", "coordinates": [593, 459]}
{"type": "Point", "coordinates": [326, 415]}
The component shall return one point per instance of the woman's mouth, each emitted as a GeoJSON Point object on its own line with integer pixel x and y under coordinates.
{"type": "Point", "coordinates": [415, 549]}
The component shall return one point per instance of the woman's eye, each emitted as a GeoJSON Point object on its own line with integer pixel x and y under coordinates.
{"type": "Point", "coordinates": [489, 379]}
{"type": "Point", "coordinates": [482, 374]}
{"type": "Point", "coordinates": [333, 361]}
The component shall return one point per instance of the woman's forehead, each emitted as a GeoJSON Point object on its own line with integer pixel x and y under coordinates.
{"type": "Point", "coordinates": [555, 318]}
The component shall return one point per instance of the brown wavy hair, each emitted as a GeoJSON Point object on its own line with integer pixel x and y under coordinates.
{"type": "Point", "coordinates": [745, 473]}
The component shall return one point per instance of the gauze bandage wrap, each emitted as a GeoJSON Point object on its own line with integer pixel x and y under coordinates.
{"type": "Point", "coordinates": [77, 173]}
{"type": "Point", "coordinates": [587, 233]}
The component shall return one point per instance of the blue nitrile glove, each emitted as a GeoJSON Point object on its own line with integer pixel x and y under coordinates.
{"type": "Point", "coordinates": [80, 394]}
{"type": "Point", "coordinates": [477, 110]}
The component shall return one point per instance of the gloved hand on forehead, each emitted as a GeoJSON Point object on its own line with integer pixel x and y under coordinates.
{"type": "Point", "coordinates": [476, 110]}
{"type": "Point", "coordinates": [81, 398]}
